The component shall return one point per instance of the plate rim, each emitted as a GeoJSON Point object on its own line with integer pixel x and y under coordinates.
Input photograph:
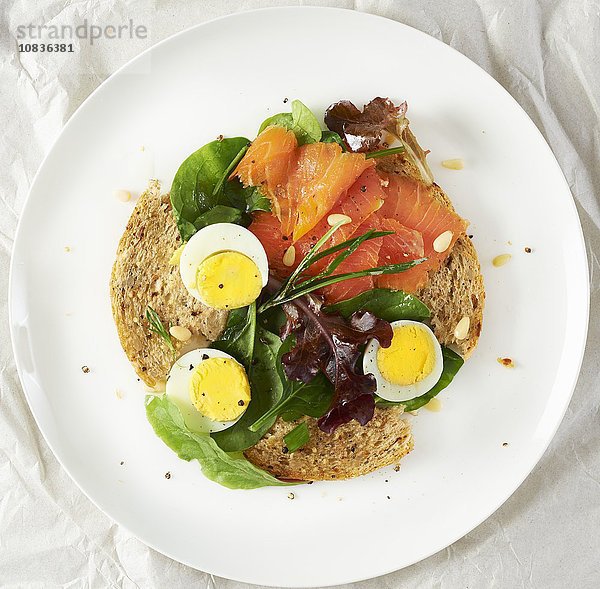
{"type": "Point", "coordinates": [584, 270]}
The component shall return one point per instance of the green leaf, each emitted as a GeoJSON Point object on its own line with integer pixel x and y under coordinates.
{"type": "Point", "coordinates": [248, 199]}
{"type": "Point", "coordinates": [273, 319]}
{"type": "Point", "coordinates": [387, 304]}
{"type": "Point", "coordinates": [239, 335]}
{"type": "Point", "coordinates": [230, 470]}
{"type": "Point", "coordinates": [452, 364]}
{"type": "Point", "coordinates": [297, 438]}
{"type": "Point", "coordinates": [305, 125]}
{"type": "Point", "coordinates": [333, 137]}
{"type": "Point", "coordinates": [312, 399]}
{"type": "Point", "coordinates": [298, 398]}
{"type": "Point", "coordinates": [221, 214]}
{"type": "Point", "coordinates": [267, 389]}
{"type": "Point", "coordinates": [301, 121]}
{"type": "Point", "coordinates": [197, 184]}
{"type": "Point", "coordinates": [282, 119]}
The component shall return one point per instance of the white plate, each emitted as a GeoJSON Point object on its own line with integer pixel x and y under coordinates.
{"type": "Point", "coordinates": [226, 77]}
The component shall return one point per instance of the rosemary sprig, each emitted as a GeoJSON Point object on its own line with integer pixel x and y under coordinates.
{"type": "Point", "coordinates": [384, 152]}
{"type": "Point", "coordinates": [157, 327]}
{"type": "Point", "coordinates": [311, 285]}
{"type": "Point", "coordinates": [292, 289]}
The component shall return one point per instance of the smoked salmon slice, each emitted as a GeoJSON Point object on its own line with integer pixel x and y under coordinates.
{"type": "Point", "coordinates": [412, 204]}
{"type": "Point", "coordinates": [267, 228]}
{"type": "Point", "coordinates": [363, 198]}
{"type": "Point", "coordinates": [306, 184]}
{"type": "Point", "coordinates": [403, 245]}
{"type": "Point", "coordinates": [267, 164]}
{"type": "Point", "coordinates": [321, 175]}
{"type": "Point", "coordinates": [366, 256]}
{"type": "Point", "coordinates": [303, 183]}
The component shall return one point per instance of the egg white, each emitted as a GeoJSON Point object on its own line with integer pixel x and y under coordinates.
{"type": "Point", "coordinates": [178, 391]}
{"type": "Point", "coordinates": [394, 392]}
{"type": "Point", "coordinates": [216, 238]}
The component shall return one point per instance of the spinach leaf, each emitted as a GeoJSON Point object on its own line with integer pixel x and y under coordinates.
{"type": "Point", "coordinates": [248, 199]}
{"type": "Point", "coordinates": [333, 137]}
{"type": "Point", "coordinates": [266, 392]}
{"type": "Point", "coordinates": [301, 121]}
{"type": "Point", "coordinates": [221, 214]}
{"type": "Point", "coordinates": [239, 336]}
{"type": "Point", "coordinates": [297, 438]}
{"type": "Point", "coordinates": [312, 399]}
{"type": "Point", "coordinates": [297, 398]}
{"type": "Point", "coordinates": [273, 319]}
{"type": "Point", "coordinates": [230, 470]}
{"type": "Point", "coordinates": [387, 304]}
{"type": "Point", "coordinates": [202, 193]}
{"type": "Point", "coordinates": [282, 119]}
{"type": "Point", "coordinates": [452, 364]}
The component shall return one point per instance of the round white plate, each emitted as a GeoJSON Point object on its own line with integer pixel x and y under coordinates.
{"type": "Point", "coordinates": [225, 77]}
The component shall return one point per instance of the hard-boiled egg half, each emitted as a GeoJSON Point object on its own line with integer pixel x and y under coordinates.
{"type": "Point", "coordinates": [410, 367]}
{"type": "Point", "coordinates": [210, 388]}
{"type": "Point", "coordinates": [224, 266]}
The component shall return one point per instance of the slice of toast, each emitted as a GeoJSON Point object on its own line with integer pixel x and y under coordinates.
{"type": "Point", "coordinates": [143, 277]}
{"type": "Point", "coordinates": [350, 451]}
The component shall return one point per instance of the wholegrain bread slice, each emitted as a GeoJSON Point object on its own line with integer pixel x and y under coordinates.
{"type": "Point", "coordinates": [142, 277]}
{"type": "Point", "coordinates": [352, 450]}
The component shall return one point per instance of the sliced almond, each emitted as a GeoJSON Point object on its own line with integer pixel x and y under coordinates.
{"type": "Point", "coordinates": [442, 242]}
{"type": "Point", "coordinates": [174, 259]}
{"type": "Point", "coordinates": [183, 334]}
{"type": "Point", "coordinates": [455, 164]}
{"type": "Point", "coordinates": [338, 218]}
{"type": "Point", "coordinates": [289, 257]}
{"type": "Point", "coordinates": [462, 328]}
{"type": "Point", "coordinates": [122, 195]}
{"type": "Point", "coordinates": [501, 260]}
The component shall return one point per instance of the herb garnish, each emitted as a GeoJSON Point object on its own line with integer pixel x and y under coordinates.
{"type": "Point", "coordinates": [385, 152]}
{"type": "Point", "coordinates": [157, 327]}
{"type": "Point", "coordinates": [296, 438]}
{"type": "Point", "coordinates": [294, 287]}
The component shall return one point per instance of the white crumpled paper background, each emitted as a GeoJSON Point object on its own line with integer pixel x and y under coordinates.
{"type": "Point", "coordinates": [547, 55]}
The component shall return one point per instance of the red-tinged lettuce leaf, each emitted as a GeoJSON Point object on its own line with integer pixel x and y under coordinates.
{"type": "Point", "coordinates": [332, 345]}
{"type": "Point", "coordinates": [362, 130]}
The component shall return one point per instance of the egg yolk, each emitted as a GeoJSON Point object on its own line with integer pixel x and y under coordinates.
{"type": "Point", "coordinates": [228, 280]}
{"type": "Point", "coordinates": [219, 389]}
{"type": "Point", "coordinates": [410, 358]}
